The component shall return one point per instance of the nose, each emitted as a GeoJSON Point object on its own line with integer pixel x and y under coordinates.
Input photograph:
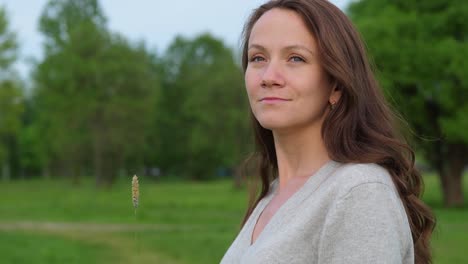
{"type": "Point", "coordinates": [272, 76]}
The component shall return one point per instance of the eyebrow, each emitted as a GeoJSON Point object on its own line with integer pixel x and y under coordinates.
{"type": "Point", "coordinates": [290, 47]}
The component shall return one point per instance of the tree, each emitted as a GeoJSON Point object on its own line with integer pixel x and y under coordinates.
{"type": "Point", "coordinates": [420, 49]}
{"type": "Point", "coordinates": [33, 149]}
{"type": "Point", "coordinates": [11, 95]}
{"type": "Point", "coordinates": [95, 91]}
{"type": "Point", "coordinates": [11, 109]}
{"type": "Point", "coordinates": [204, 115]}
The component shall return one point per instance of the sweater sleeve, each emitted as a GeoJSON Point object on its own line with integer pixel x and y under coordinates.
{"type": "Point", "coordinates": [367, 225]}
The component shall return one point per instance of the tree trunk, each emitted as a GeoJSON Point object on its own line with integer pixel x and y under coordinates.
{"type": "Point", "coordinates": [451, 175]}
{"type": "Point", "coordinates": [6, 170]}
{"type": "Point", "coordinates": [109, 172]}
{"type": "Point", "coordinates": [97, 160]}
{"type": "Point", "coordinates": [98, 148]}
{"type": "Point", "coordinates": [46, 172]}
{"type": "Point", "coordinates": [76, 177]}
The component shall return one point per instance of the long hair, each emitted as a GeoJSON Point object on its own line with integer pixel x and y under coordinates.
{"type": "Point", "coordinates": [361, 128]}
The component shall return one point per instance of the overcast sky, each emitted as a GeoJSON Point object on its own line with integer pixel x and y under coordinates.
{"type": "Point", "coordinates": [156, 22]}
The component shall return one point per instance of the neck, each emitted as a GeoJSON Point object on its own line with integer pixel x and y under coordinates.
{"type": "Point", "coordinates": [300, 153]}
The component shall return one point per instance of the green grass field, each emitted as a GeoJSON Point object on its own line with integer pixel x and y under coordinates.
{"type": "Point", "coordinates": [178, 222]}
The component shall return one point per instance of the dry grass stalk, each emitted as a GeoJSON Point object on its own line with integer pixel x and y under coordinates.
{"type": "Point", "coordinates": [135, 191]}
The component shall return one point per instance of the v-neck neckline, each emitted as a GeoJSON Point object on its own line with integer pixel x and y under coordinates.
{"type": "Point", "coordinates": [313, 181]}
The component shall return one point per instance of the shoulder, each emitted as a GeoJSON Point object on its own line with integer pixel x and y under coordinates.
{"type": "Point", "coordinates": [351, 176]}
{"type": "Point", "coordinates": [366, 221]}
{"type": "Point", "coordinates": [367, 188]}
{"type": "Point", "coordinates": [364, 172]}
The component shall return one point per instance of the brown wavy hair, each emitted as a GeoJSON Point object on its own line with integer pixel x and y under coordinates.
{"type": "Point", "coordinates": [362, 126]}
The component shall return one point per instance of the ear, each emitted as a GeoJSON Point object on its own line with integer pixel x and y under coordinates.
{"type": "Point", "coordinates": [335, 95]}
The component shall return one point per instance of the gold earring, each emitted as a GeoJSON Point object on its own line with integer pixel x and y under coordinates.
{"type": "Point", "coordinates": [332, 105]}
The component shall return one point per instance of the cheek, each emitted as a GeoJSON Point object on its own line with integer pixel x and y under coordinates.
{"type": "Point", "coordinates": [252, 82]}
{"type": "Point", "coordinates": [315, 89]}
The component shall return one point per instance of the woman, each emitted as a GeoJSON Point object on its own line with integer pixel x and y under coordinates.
{"type": "Point", "coordinates": [338, 186]}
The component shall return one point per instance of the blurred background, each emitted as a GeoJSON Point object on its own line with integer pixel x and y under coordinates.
{"type": "Point", "coordinates": [93, 92]}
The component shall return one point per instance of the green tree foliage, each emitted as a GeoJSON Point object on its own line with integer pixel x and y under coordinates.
{"type": "Point", "coordinates": [95, 92]}
{"type": "Point", "coordinates": [11, 95]}
{"type": "Point", "coordinates": [101, 105]}
{"type": "Point", "coordinates": [204, 122]}
{"type": "Point", "coordinates": [32, 156]}
{"type": "Point", "coordinates": [8, 44]}
{"type": "Point", "coordinates": [11, 109]}
{"type": "Point", "coordinates": [421, 51]}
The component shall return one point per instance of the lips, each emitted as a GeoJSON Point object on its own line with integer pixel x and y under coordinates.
{"type": "Point", "coordinates": [273, 99]}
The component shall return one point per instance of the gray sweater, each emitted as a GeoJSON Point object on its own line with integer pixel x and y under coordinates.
{"type": "Point", "coordinates": [344, 213]}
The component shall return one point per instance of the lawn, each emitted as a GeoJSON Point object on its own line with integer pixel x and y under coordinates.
{"type": "Point", "coordinates": [177, 222]}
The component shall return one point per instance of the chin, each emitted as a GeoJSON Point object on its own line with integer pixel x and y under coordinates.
{"type": "Point", "coordinates": [278, 120]}
{"type": "Point", "coordinates": [273, 123]}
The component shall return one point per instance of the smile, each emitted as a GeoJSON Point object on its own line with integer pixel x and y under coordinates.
{"type": "Point", "coordinates": [273, 99]}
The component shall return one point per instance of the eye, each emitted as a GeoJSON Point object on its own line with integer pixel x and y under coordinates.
{"type": "Point", "coordinates": [256, 59]}
{"type": "Point", "coordinates": [296, 59]}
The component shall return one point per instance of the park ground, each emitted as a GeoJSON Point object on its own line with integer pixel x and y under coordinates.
{"type": "Point", "coordinates": [177, 222]}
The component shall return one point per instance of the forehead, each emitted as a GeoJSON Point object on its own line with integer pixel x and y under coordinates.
{"type": "Point", "coordinates": [281, 27]}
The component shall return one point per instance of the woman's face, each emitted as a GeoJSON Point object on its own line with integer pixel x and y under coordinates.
{"type": "Point", "coordinates": [286, 85]}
